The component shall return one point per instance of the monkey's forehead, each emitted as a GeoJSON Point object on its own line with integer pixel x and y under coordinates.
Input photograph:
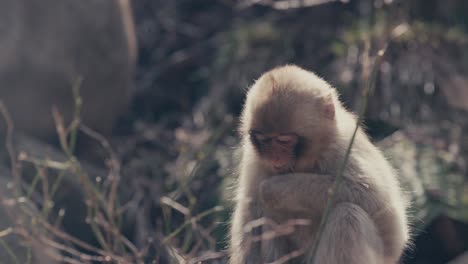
{"type": "Point", "coordinates": [285, 97]}
{"type": "Point", "coordinates": [289, 84]}
{"type": "Point", "coordinates": [294, 77]}
{"type": "Point", "coordinates": [282, 116]}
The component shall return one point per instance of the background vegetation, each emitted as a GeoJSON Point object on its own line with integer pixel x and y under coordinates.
{"type": "Point", "coordinates": [158, 189]}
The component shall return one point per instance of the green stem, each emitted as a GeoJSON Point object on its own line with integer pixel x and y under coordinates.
{"type": "Point", "coordinates": [9, 251]}
{"type": "Point", "coordinates": [339, 177]}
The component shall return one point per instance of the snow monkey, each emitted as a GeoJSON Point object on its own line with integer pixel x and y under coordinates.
{"type": "Point", "coordinates": [295, 133]}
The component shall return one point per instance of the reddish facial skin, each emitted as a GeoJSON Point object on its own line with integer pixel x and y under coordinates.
{"type": "Point", "coordinates": [278, 151]}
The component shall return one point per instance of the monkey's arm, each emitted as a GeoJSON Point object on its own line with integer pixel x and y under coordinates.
{"type": "Point", "coordinates": [243, 249]}
{"type": "Point", "coordinates": [307, 192]}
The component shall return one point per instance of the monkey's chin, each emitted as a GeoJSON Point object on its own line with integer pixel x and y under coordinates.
{"type": "Point", "coordinates": [277, 170]}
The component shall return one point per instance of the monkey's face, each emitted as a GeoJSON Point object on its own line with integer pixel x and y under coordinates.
{"type": "Point", "coordinates": [289, 117]}
{"type": "Point", "coordinates": [277, 151]}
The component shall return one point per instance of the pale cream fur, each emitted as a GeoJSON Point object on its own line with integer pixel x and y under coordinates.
{"type": "Point", "coordinates": [368, 221]}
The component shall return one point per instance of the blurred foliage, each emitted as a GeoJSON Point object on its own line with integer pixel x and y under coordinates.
{"type": "Point", "coordinates": [177, 146]}
{"type": "Point", "coordinates": [428, 176]}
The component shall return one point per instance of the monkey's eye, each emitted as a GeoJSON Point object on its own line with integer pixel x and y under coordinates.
{"type": "Point", "coordinates": [287, 139]}
{"type": "Point", "coordinates": [261, 138]}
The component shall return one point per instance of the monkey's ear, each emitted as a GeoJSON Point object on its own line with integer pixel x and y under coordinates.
{"type": "Point", "coordinates": [329, 107]}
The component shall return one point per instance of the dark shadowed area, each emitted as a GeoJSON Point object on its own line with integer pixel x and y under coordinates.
{"type": "Point", "coordinates": [118, 128]}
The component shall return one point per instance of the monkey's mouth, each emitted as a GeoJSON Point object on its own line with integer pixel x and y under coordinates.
{"type": "Point", "coordinates": [282, 169]}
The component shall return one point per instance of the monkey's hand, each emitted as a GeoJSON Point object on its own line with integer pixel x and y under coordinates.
{"type": "Point", "coordinates": [271, 190]}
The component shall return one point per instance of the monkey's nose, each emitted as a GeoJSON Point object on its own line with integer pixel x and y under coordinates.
{"type": "Point", "coordinates": [280, 169]}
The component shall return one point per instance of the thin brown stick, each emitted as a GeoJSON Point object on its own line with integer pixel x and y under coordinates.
{"type": "Point", "coordinates": [122, 238]}
{"type": "Point", "coordinates": [9, 145]}
{"type": "Point", "coordinates": [80, 255]}
{"type": "Point", "coordinates": [207, 256]}
{"type": "Point", "coordinates": [65, 236]}
{"type": "Point", "coordinates": [289, 256]}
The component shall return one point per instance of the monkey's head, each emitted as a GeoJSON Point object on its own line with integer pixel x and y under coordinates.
{"type": "Point", "coordinates": [289, 119]}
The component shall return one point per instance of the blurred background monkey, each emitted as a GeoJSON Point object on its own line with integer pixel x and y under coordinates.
{"type": "Point", "coordinates": [49, 47]}
{"type": "Point", "coordinates": [295, 133]}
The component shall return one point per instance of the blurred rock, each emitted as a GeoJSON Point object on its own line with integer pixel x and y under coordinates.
{"type": "Point", "coordinates": [47, 46]}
